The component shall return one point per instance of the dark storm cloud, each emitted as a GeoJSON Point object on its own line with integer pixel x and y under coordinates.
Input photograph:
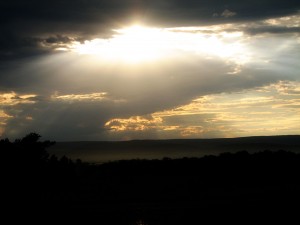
{"type": "Point", "coordinates": [272, 30]}
{"type": "Point", "coordinates": [59, 39]}
{"type": "Point", "coordinates": [24, 23]}
{"type": "Point", "coordinates": [177, 12]}
{"type": "Point", "coordinates": [12, 46]}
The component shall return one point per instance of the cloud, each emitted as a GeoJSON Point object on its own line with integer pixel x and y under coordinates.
{"type": "Point", "coordinates": [287, 87]}
{"type": "Point", "coordinates": [273, 30]}
{"type": "Point", "coordinates": [136, 123]}
{"type": "Point", "coordinates": [62, 109]}
{"type": "Point", "coordinates": [227, 13]}
{"type": "Point", "coordinates": [81, 97]}
{"type": "Point", "coordinates": [58, 120]}
{"type": "Point", "coordinates": [219, 79]}
{"type": "Point", "coordinates": [279, 25]}
{"type": "Point", "coordinates": [24, 25]}
{"type": "Point", "coordinates": [14, 99]}
{"type": "Point", "coordinates": [250, 112]}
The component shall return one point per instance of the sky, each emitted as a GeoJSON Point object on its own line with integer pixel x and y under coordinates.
{"type": "Point", "coordinates": [162, 69]}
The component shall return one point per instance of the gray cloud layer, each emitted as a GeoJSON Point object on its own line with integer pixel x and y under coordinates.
{"type": "Point", "coordinates": [25, 24]}
{"type": "Point", "coordinates": [137, 92]}
{"type": "Point", "coordinates": [30, 30]}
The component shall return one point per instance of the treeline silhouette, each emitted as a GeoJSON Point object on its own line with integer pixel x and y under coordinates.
{"type": "Point", "coordinates": [167, 191]}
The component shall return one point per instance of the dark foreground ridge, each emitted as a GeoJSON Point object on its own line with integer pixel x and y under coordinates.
{"type": "Point", "coordinates": [263, 185]}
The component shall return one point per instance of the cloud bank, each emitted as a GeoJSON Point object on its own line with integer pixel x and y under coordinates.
{"type": "Point", "coordinates": [232, 70]}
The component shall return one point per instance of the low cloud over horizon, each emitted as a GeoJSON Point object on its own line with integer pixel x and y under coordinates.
{"type": "Point", "coordinates": [105, 70]}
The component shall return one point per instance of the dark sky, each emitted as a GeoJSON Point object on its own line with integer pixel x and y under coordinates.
{"type": "Point", "coordinates": [233, 71]}
{"type": "Point", "coordinates": [25, 24]}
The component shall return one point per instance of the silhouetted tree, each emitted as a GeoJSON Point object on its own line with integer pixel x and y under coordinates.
{"type": "Point", "coordinates": [30, 150]}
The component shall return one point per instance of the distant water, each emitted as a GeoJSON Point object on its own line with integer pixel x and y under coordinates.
{"type": "Point", "coordinates": [100, 152]}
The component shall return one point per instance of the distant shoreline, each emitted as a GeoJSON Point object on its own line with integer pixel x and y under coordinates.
{"type": "Point", "coordinates": [105, 151]}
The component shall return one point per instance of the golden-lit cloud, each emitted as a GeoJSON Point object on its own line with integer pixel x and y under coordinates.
{"type": "Point", "coordinates": [3, 115]}
{"type": "Point", "coordinates": [81, 97]}
{"type": "Point", "coordinates": [289, 21]}
{"type": "Point", "coordinates": [287, 88]}
{"type": "Point", "coordinates": [192, 131]}
{"type": "Point", "coordinates": [135, 123]}
{"type": "Point", "coordinates": [251, 112]}
{"type": "Point", "coordinates": [3, 119]}
{"type": "Point", "coordinates": [12, 98]}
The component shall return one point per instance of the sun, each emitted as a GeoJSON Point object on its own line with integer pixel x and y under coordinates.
{"type": "Point", "coordinates": [132, 44]}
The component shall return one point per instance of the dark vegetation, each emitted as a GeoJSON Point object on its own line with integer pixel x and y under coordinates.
{"type": "Point", "coordinates": [168, 191]}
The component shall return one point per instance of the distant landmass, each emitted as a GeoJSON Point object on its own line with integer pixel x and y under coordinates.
{"type": "Point", "coordinates": [106, 151]}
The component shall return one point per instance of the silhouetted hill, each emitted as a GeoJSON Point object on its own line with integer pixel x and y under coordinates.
{"type": "Point", "coordinates": [99, 152]}
{"type": "Point", "coordinates": [171, 191]}
{"type": "Point", "coordinates": [231, 186]}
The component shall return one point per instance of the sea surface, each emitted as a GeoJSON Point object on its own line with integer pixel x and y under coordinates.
{"type": "Point", "coordinates": [98, 152]}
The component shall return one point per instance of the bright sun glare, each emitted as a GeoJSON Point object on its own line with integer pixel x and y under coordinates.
{"type": "Point", "coordinates": [138, 44]}
{"type": "Point", "coordinates": [133, 44]}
